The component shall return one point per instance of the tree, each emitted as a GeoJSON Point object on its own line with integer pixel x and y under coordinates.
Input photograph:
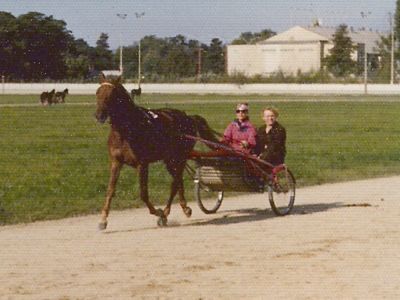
{"type": "Point", "coordinates": [214, 59]}
{"type": "Point", "coordinates": [80, 60]}
{"type": "Point", "coordinates": [103, 55]}
{"type": "Point", "coordinates": [9, 66]}
{"type": "Point", "coordinates": [339, 62]}
{"type": "Point", "coordinates": [78, 67]}
{"type": "Point", "coordinates": [243, 39]}
{"type": "Point", "coordinates": [179, 58]}
{"type": "Point", "coordinates": [194, 47]}
{"type": "Point", "coordinates": [42, 45]}
{"type": "Point", "coordinates": [397, 22]}
{"type": "Point", "coordinates": [384, 53]}
{"type": "Point", "coordinates": [253, 38]}
{"type": "Point", "coordinates": [131, 55]}
{"type": "Point", "coordinates": [154, 50]}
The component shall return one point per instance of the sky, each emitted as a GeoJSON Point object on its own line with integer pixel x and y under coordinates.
{"type": "Point", "coordinates": [201, 20]}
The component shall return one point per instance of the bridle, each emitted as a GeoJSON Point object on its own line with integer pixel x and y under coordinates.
{"type": "Point", "coordinates": [107, 83]}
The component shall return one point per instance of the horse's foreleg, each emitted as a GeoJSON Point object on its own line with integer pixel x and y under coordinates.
{"type": "Point", "coordinates": [177, 187]}
{"type": "Point", "coordinates": [144, 193]}
{"type": "Point", "coordinates": [115, 170]}
{"type": "Point", "coordinates": [173, 192]}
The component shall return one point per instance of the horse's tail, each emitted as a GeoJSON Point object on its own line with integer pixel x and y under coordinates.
{"type": "Point", "coordinates": [204, 130]}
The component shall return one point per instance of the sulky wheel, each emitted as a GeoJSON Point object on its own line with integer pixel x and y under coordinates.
{"type": "Point", "coordinates": [202, 192]}
{"type": "Point", "coordinates": [282, 191]}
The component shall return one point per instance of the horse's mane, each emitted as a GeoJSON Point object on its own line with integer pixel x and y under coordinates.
{"type": "Point", "coordinates": [121, 90]}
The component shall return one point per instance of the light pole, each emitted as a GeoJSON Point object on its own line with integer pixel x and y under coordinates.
{"type": "Point", "coordinates": [364, 16]}
{"type": "Point", "coordinates": [123, 17]}
{"type": "Point", "coordinates": [138, 16]}
{"type": "Point", "coordinates": [391, 48]}
{"type": "Point", "coordinates": [199, 63]}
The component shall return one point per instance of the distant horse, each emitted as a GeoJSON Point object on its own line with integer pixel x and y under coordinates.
{"type": "Point", "coordinates": [47, 98]}
{"type": "Point", "coordinates": [136, 92]}
{"type": "Point", "coordinates": [139, 137]}
{"type": "Point", "coordinates": [59, 97]}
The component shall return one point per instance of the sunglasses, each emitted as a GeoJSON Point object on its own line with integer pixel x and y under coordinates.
{"type": "Point", "coordinates": [243, 111]}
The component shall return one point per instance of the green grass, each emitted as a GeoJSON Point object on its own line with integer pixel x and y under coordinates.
{"type": "Point", "coordinates": [54, 163]}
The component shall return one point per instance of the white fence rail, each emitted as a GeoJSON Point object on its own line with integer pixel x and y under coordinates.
{"type": "Point", "coordinates": [262, 89]}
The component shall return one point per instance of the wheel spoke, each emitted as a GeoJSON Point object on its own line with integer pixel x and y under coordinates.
{"type": "Point", "coordinates": [281, 192]}
{"type": "Point", "coordinates": [206, 198]}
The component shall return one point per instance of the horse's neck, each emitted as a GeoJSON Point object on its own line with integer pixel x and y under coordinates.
{"type": "Point", "coordinates": [126, 114]}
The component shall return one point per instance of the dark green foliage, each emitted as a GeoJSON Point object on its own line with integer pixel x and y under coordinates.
{"type": "Point", "coordinates": [339, 62]}
{"type": "Point", "coordinates": [79, 60]}
{"type": "Point", "coordinates": [214, 57]}
{"type": "Point", "coordinates": [397, 23]}
{"type": "Point", "coordinates": [103, 56]}
{"type": "Point", "coordinates": [252, 38]}
{"type": "Point", "coordinates": [33, 46]}
{"type": "Point", "coordinates": [384, 48]}
{"type": "Point", "coordinates": [36, 47]}
{"type": "Point", "coordinates": [8, 44]}
{"type": "Point", "coordinates": [172, 59]}
{"type": "Point", "coordinates": [43, 41]}
{"type": "Point", "coordinates": [179, 59]}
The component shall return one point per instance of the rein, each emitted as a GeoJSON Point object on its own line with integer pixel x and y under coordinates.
{"type": "Point", "coordinates": [231, 150]}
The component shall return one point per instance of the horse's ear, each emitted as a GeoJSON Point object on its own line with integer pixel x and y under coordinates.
{"type": "Point", "coordinates": [102, 78]}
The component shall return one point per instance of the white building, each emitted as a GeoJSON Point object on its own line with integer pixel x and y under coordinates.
{"type": "Point", "coordinates": [297, 49]}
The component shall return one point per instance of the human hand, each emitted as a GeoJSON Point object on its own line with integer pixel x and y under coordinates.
{"type": "Point", "coordinates": [244, 144]}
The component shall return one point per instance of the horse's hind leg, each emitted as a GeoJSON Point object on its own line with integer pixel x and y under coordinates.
{"type": "Point", "coordinates": [144, 194]}
{"type": "Point", "coordinates": [115, 170]}
{"type": "Point", "coordinates": [176, 170]}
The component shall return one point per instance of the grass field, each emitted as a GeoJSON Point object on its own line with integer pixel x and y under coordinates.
{"type": "Point", "coordinates": [53, 160]}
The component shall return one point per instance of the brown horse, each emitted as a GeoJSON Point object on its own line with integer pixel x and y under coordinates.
{"type": "Point", "coordinates": [139, 137]}
{"type": "Point", "coordinates": [59, 97]}
{"type": "Point", "coordinates": [46, 98]}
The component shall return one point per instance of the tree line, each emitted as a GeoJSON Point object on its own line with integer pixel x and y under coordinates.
{"type": "Point", "coordinates": [35, 47]}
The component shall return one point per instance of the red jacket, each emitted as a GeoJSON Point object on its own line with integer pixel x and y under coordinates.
{"type": "Point", "coordinates": [237, 132]}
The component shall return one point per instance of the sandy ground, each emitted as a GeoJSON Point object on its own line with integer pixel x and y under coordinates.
{"type": "Point", "coordinates": [342, 241]}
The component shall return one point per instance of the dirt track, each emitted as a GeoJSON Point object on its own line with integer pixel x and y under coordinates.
{"type": "Point", "coordinates": [342, 241]}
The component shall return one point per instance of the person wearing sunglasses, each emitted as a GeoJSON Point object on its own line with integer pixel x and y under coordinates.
{"type": "Point", "coordinates": [241, 134]}
{"type": "Point", "coordinates": [271, 138]}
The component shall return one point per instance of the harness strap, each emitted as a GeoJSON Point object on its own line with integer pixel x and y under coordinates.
{"type": "Point", "coordinates": [107, 83]}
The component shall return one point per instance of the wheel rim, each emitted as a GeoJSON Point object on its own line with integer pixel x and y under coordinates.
{"type": "Point", "coordinates": [282, 192]}
{"type": "Point", "coordinates": [208, 200]}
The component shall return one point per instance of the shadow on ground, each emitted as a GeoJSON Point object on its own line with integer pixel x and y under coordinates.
{"type": "Point", "coordinates": [257, 214]}
{"type": "Point", "coordinates": [225, 217]}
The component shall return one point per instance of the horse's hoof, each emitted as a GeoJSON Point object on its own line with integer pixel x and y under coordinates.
{"type": "Point", "coordinates": [159, 213]}
{"type": "Point", "coordinates": [162, 221]}
{"type": "Point", "coordinates": [102, 225]}
{"type": "Point", "coordinates": [188, 211]}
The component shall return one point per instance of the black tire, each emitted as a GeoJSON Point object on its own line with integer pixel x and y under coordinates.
{"type": "Point", "coordinates": [282, 192]}
{"type": "Point", "coordinates": [202, 192]}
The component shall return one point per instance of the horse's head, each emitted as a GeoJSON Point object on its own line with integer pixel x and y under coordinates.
{"type": "Point", "coordinates": [104, 96]}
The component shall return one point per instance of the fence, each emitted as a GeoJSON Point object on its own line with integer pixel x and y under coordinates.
{"type": "Point", "coordinates": [165, 88]}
